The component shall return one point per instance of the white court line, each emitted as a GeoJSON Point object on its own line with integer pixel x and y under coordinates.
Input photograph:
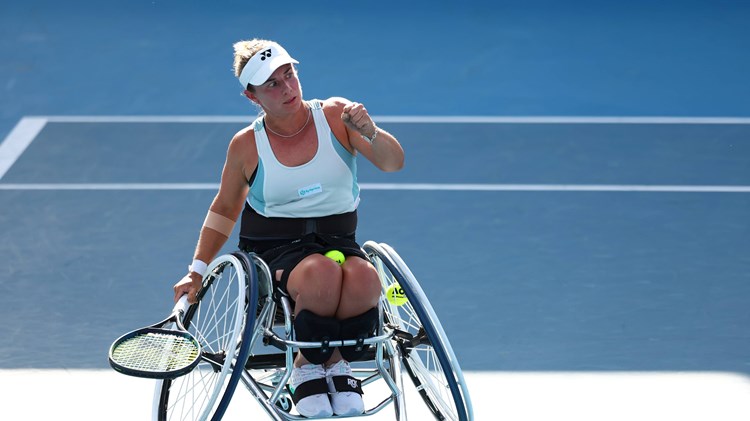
{"type": "Point", "coordinates": [415, 119]}
{"type": "Point", "coordinates": [18, 140]}
{"type": "Point", "coordinates": [558, 187]}
{"type": "Point", "coordinates": [109, 186]}
{"type": "Point", "coordinates": [401, 186]}
{"type": "Point", "coordinates": [562, 120]}
{"type": "Point", "coordinates": [29, 127]}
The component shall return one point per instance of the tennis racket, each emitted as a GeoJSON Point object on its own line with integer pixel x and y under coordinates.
{"type": "Point", "coordinates": [155, 351]}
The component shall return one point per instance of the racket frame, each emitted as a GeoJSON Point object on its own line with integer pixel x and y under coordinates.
{"type": "Point", "coordinates": [178, 330]}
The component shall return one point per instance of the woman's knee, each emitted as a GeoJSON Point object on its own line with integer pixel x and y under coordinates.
{"type": "Point", "coordinates": [360, 280]}
{"type": "Point", "coordinates": [316, 275]}
{"type": "Point", "coordinates": [317, 266]}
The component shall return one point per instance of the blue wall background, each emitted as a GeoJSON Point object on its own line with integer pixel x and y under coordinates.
{"type": "Point", "coordinates": [166, 57]}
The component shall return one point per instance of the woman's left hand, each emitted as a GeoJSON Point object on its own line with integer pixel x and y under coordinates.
{"type": "Point", "coordinates": [355, 117]}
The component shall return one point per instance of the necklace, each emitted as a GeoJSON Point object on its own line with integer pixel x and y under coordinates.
{"type": "Point", "coordinates": [309, 114]}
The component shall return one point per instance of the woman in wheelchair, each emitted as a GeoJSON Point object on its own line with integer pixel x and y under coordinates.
{"type": "Point", "coordinates": [291, 176]}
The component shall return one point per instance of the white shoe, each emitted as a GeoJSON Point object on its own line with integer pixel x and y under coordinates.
{"type": "Point", "coordinates": [310, 391]}
{"type": "Point", "coordinates": [345, 390]}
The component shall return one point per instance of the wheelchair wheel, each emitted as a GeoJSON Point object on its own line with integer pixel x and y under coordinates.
{"type": "Point", "coordinates": [425, 350]}
{"type": "Point", "coordinates": [222, 324]}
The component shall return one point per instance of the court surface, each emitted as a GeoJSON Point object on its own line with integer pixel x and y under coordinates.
{"type": "Point", "coordinates": [558, 252]}
{"type": "Point", "coordinates": [575, 199]}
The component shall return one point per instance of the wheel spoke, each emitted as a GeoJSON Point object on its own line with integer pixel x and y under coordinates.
{"type": "Point", "coordinates": [427, 355]}
{"type": "Point", "coordinates": [218, 322]}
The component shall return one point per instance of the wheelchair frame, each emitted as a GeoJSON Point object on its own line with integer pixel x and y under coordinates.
{"type": "Point", "coordinates": [251, 322]}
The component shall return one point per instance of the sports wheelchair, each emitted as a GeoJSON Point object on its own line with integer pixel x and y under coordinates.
{"type": "Point", "coordinates": [248, 337]}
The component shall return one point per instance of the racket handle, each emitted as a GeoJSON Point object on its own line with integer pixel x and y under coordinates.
{"type": "Point", "coordinates": [182, 305]}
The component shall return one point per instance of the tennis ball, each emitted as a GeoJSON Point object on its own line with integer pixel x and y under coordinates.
{"type": "Point", "coordinates": [395, 295]}
{"type": "Point", "coordinates": [336, 256]}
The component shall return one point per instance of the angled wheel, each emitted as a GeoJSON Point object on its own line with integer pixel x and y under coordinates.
{"type": "Point", "coordinates": [427, 355]}
{"type": "Point", "coordinates": [223, 326]}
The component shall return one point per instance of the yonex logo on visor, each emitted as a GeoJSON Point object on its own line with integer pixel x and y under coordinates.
{"type": "Point", "coordinates": [260, 66]}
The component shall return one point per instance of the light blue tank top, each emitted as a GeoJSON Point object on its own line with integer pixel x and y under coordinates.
{"type": "Point", "coordinates": [325, 185]}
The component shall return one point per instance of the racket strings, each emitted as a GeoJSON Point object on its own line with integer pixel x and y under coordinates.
{"type": "Point", "coordinates": [157, 352]}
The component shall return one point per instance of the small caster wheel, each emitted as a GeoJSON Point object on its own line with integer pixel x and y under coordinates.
{"type": "Point", "coordinates": [284, 403]}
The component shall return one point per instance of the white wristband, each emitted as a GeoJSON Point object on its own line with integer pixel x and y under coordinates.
{"type": "Point", "coordinates": [198, 266]}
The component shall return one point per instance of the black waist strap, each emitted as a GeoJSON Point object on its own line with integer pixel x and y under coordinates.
{"type": "Point", "coordinates": [256, 227]}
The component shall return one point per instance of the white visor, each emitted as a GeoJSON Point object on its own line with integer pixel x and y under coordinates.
{"type": "Point", "coordinates": [261, 65]}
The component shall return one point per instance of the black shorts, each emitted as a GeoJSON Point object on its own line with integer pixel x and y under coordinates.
{"type": "Point", "coordinates": [286, 256]}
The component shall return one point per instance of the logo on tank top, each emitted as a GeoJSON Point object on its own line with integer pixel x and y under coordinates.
{"type": "Point", "coordinates": [310, 190]}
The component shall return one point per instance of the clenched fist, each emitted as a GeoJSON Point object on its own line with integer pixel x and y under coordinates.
{"type": "Point", "coordinates": [355, 116]}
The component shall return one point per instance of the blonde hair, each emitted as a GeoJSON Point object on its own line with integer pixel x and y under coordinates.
{"type": "Point", "coordinates": [244, 51]}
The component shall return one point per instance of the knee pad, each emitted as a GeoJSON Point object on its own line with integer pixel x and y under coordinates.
{"type": "Point", "coordinates": [309, 327]}
{"type": "Point", "coordinates": [360, 328]}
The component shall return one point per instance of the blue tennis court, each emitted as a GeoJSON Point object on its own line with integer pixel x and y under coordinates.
{"type": "Point", "coordinates": [575, 198]}
{"type": "Point", "coordinates": [544, 250]}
